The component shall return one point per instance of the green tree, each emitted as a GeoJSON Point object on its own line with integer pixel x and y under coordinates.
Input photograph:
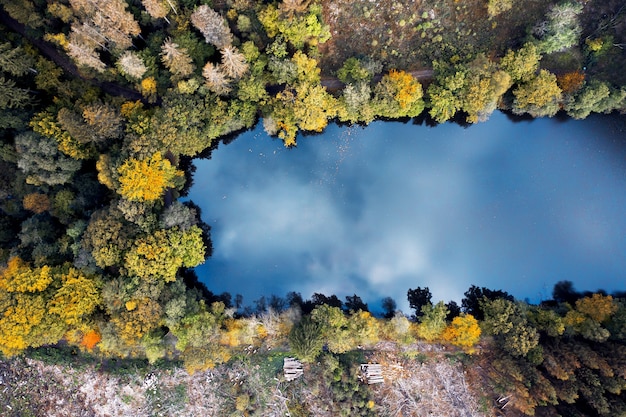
{"type": "Point", "coordinates": [587, 99]}
{"type": "Point", "coordinates": [398, 94]}
{"type": "Point", "coordinates": [418, 298]}
{"type": "Point", "coordinates": [305, 339]}
{"type": "Point", "coordinates": [162, 253]}
{"type": "Point", "coordinates": [506, 321]}
{"type": "Point", "coordinates": [354, 104]}
{"type": "Point", "coordinates": [11, 96]}
{"type": "Point", "coordinates": [561, 29]}
{"type": "Point", "coordinates": [15, 61]}
{"type": "Point", "coordinates": [333, 327]}
{"type": "Point", "coordinates": [522, 64]}
{"type": "Point", "coordinates": [353, 72]}
{"type": "Point", "coordinates": [432, 321]}
{"type": "Point", "coordinates": [41, 161]}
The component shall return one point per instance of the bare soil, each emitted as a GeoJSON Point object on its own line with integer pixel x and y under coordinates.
{"type": "Point", "coordinates": [420, 380]}
{"type": "Point", "coordinates": [411, 34]}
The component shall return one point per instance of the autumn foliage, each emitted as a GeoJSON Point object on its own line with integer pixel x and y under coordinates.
{"type": "Point", "coordinates": [146, 179]}
{"type": "Point", "coordinates": [91, 339]}
{"type": "Point", "coordinates": [463, 331]}
{"type": "Point", "coordinates": [571, 81]}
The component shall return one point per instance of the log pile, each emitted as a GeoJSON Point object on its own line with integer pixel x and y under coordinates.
{"type": "Point", "coordinates": [292, 369]}
{"type": "Point", "coordinates": [372, 373]}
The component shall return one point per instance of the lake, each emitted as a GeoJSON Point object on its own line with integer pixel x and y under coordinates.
{"type": "Point", "coordinates": [375, 211]}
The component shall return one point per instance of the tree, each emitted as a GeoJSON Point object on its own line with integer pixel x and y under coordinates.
{"type": "Point", "coordinates": [418, 298]}
{"type": "Point", "coordinates": [107, 237]}
{"type": "Point", "coordinates": [561, 29]}
{"type": "Point", "coordinates": [77, 298]}
{"type": "Point", "coordinates": [522, 64]}
{"type": "Point", "coordinates": [41, 161]}
{"type": "Point", "coordinates": [109, 20]}
{"type": "Point", "coordinates": [131, 65]}
{"type": "Point", "coordinates": [443, 103]}
{"type": "Point", "coordinates": [538, 97]}
{"type": "Point", "coordinates": [234, 62]}
{"type": "Point", "coordinates": [432, 321]}
{"type": "Point", "coordinates": [216, 80]}
{"type": "Point", "coordinates": [482, 93]}
{"type": "Point", "coordinates": [212, 26]}
{"type": "Point", "coordinates": [354, 304]}
{"type": "Point", "coordinates": [11, 96]}
{"type": "Point", "coordinates": [104, 119]}
{"type": "Point", "coordinates": [453, 309]}
{"type": "Point", "coordinates": [313, 107]}
{"type": "Point", "coordinates": [571, 82]}
{"type": "Point", "coordinates": [15, 61]}
{"type": "Point", "coordinates": [389, 307]}
{"type": "Point", "coordinates": [464, 331]}
{"type": "Point", "coordinates": [305, 339]}
{"type": "Point", "coordinates": [506, 321]}
{"type": "Point", "coordinates": [158, 9]}
{"type": "Point", "coordinates": [147, 179]}
{"type": "Point", "coordinates": [176, 59]}
{"type": "Point", "coordinates": [598, 307]}
{"type": "Point", "coordinates": [398, 94]}
{"type": "Point", "coordinates": [161, 254]}
{"type": "Point", "coordinates": [354, 104]}
{"type": "Point", "coordinates": [353, 72]}
{"type": "Point", "coordinates": [587, 99]}
{"type": "Point", "coordinates": [36, 202]}
{"type": "Point", "coordinates": [333, 327]}
{"type": "Point", "coordinates": [473, 297]}
{"type": "Point", "coordinates": [564, 292]}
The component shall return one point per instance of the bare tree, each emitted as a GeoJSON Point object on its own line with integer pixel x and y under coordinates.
{"type": "Point", "coordinates": [110, 18]}
{"type": "Point", "coordinates": [216, 80]}
{"type": "Point", "coordinates": [82, 44]}
{"type": "Point", "coordinates": [292, 7]}
{"type": "Point", "coordinates": [212, 25]}
{"type": "Point", "coordinates": [131, 64]}
{"type": "Point", "coordinates": [157, 9]}
{"type": "Point", "coordinates": [233, 62]}
{"type": "Point", "coordinates": [176, 59]}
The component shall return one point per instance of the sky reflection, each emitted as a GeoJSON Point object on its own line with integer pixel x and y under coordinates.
{"type": "Point", "coordinates": [378, 210]}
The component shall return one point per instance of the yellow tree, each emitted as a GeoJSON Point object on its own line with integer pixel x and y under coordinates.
{"type": "Point", "coordinates": [24, 318]}
{"type": "Point", "coordinates": [18, 276]}
{"type": "Point", "coordinates": [464, 331]}
{"type": "Point", "coordinates": [77, 298]}
{"type": "Point", "coordinates": [599, 307]}
{"type": "Point", "coordinates": [147, 179]}
{"type": "Point", "coordinates": [313, 107]}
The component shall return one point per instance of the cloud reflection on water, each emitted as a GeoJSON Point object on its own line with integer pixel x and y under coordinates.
{"type": "Point", "coordinates": [376, 211]}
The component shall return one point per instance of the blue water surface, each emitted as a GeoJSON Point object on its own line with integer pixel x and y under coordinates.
{"type": "Point", "coordinates": [375, 211]}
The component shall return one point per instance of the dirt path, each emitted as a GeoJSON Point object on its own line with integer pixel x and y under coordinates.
{"type": "Point", "coordinates": [49, 51]}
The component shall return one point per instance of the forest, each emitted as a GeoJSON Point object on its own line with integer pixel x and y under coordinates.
{"type": "Point", "coordinates": [105, 103]}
